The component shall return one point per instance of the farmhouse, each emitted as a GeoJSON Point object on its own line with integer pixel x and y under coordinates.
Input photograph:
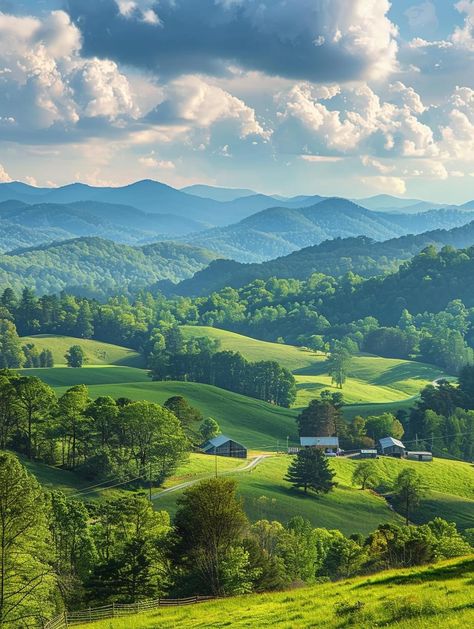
{"type": "Point", "coordinates": [327, 444]}
{"type": "Point", "coordinates": [224, 446]}
{"type": "Point", "coordinates": [419, 456]}
{"type": "Point", "coordinates": [392, 447]}
{"type": "Point", "coordinates": [367, 454]}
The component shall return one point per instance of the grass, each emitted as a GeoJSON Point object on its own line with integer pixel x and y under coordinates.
{"type": "Point", "coordinates": [97, 353]}
{"type": "Point", "coordinates": [267, 496]}
{"type": "Point", "coordinates": [415, 598]}
{"type": "Point", "coordinates": [257, 424]}
{"type": "Point", "coordinates": [372, 380]}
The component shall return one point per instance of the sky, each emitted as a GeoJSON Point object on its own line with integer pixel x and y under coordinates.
{"type": "Point", "coordinates": [334, 97]}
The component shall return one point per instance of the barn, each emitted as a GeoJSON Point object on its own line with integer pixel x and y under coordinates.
{"type": "Point", "coordinates": [392, 447]}
{"type": "Point", "coordinates": [224, 446]}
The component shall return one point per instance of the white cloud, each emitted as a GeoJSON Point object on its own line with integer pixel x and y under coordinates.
{"type": "Point", "coordinates": [389, 185]}
{"type": "Point", "coordinates": [151, 161]}
{"type": "Point", "coordinates": [370, 162]}
{"type": "Point", "coordinates": [46, 83]}
{"type": "Point", "coordinates": [193, 102]}
{"type": "Point", "coordinates": [4, 176]}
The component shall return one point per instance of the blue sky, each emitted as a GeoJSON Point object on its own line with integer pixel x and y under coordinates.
{"type": "Point", "coordinates": [347, 97]}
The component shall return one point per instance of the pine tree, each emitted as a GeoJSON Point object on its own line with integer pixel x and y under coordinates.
{"type": "Point", "coordinates": [11, 353]}
{"type": "Point", "coordinates": [310, 470]}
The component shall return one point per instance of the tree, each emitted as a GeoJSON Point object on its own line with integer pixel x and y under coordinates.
{"type": "Point", "coordinates": [338, 365]}
{"type": "Point", "coordinates": [84, 324]}
{"type": "Point", "coordinates": [187, 414]}
{"type": "Point", "coordinates": [365, 474]}
{"type": "Point", "coordinates": [155, 439]}
{"type": "Point", "coordinates": [75, 357]}
{"type": "Point", "coordinates": [11, 353]}
{"type": "Point", "coordinates": [310, 470]}
{"type": "Point", "coordinates": [8, 408]}
{"type": "Point", "coordinates": [36, 401]}
{"type": "Point", "coordinates": [210, 523]}
{"type": "Point", "coordinates": [209, 429]}
{"type": "Point", "coordinates": [409, 489]}
{"type": "Point", "coordinates": [386, 425]}
{"type": "Point", "coordinates": [27, 582]}
{"type": "Point", "coordinates": [319, 419]}
{"type": "Point", "coordinates": [46, 358]}
{"type": "Point", "coordinates": [72, 405]}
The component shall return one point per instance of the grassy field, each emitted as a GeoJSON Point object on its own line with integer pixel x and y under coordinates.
{"type": "Point", "coordinates": [97, 353]}
{"type": "Point", "coordinates": [372, 379]}
{"type": "Point", "coordinates": [416, 598]}
{"type": "Point", "coordinates": [267, 496]}
{"type": "Point", "coordinates": [258, 424]}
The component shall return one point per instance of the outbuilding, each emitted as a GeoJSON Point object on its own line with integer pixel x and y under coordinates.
{"type": "Point", "coordinates": [419, 456]}
{"type": "Point", "coordinates": [392, 447]}
{"type": "Point", "coordinates": [225, 446]}
{"type": "Point", "coordinates": [329, 445]}
{"type": "Point", "coordinates": [367, 454]}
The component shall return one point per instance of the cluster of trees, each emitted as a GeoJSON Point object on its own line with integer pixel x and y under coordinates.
{"type": "Point", "coordinates": [76, 555]}
{"type": "Point", "coordinates": [103, 439]}
{"type": "Point", "coordinates": [443, 419]}
{"type": "Point", "coordinates": [198, 360]}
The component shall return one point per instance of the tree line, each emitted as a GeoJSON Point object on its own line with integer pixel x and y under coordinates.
{"type": "Point", "coordinates": [199, 360]}
{"type": "Point", "coordinates": [76, 554]}
{"type": "Point", "coordinates": [129, 442]}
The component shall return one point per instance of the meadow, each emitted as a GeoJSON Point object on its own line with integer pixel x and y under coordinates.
{"type": "Point", "coordinates": [372, 379]}
{"type": "Point", "coordinates": [415, 598]}
{"type": "Point", "coordinates": [96, 352]}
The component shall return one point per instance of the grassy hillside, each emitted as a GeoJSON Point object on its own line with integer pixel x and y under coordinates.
{"type": "Point", "coordinates": [255, 423]}
{"type": "Point", "coordinates": [439, 595]}
{"type": "Point", "coordinates": [267, 495]}
{"type": "Point", "coordinates": [372, 379]}
{"type": "Point", "coordinates": [97, 353]}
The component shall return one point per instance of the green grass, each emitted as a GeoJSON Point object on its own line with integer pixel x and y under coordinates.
{"type": "Point", "coordinates": [267, 496]}
{"type": "Point", "coordinates": [257, 424]}
{"type": "Point", "coordinates": [416, 598]}
{"type": "Point", "coordinates": [372, 379]}
{"type": "Point", "coordinates": [97, 353]}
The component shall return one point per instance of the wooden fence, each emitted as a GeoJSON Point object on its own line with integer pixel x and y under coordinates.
{"type": "Point", "coordinates": [117, 610]}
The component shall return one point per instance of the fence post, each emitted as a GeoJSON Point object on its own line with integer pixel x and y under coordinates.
{"type": "Point", "coordinates": [113, 609]}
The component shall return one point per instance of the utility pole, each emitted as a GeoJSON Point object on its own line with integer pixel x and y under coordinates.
{"type": "Point", "coordinates": [215, 458]}
{"type": "Point", "coordinates": [287, 443]}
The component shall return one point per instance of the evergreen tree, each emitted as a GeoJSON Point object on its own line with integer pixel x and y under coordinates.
{"type": "Point", "coordinates": [84, 324]}
{"type": "Point", "coordinates": [310, 470]}
{"type": "Point", "coordinates": [46, 358]}
{"type": "Point", "coordinates": [36, 402]}
{"type": "Point", "coordinates": [319, 419]}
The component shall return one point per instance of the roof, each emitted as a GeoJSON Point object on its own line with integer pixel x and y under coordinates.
{"type": "Point", "coordinates": [327, 442]}
{"type": "Point", "coordinates": [389, 442]}
{"type": "Point", "coordinates": [218, 441]}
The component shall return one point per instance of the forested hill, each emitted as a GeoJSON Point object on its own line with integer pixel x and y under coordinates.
{"type": "Point", "coordinates": [99, 268]}
{"type": "Point", "coordinates": [361, 255]}
{"type": "Point", "coordinates": [279, 231]}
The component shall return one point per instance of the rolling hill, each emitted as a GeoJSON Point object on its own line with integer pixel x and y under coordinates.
{"type": "Point", "coordinates": [45, 222]}
{"type": "Point", "coordinates": [415, 598]}
{"type": "Point", "coordinates": [97, 267]}
{"type": "Point", "coordinates": [336, 257]}
{"type": "Point", "coordinates": [372, 379]}
{"type": "Point", "coordinates": [96, 352]}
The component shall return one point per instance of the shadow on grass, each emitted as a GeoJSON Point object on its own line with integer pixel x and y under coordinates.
{"type": "Point", "coordinates": [435, 573]}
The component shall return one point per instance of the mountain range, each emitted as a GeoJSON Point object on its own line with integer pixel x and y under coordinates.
{"type": "Point", "coordinates": [337, 257]}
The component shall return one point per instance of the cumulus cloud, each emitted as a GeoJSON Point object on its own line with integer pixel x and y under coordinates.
{"type": "Point", "coordinates": [192, 101]}
{"type": "Point", "coordinates": [44, 82]}
{"type": "Point", "coordinates": [356, 119]}
{"type": "Point", "coordinates": [312, 40]}
{"type": "Point", "coordinates": [389, 185]}
{"type": "Point", "coordinates": [4, 176]}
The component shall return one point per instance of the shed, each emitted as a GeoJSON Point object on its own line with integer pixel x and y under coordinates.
{"type": "Point", "coordinates": [225, 446]}
{"type": "Point", "coordinates": [419, 456]}
{"type": "Point", "coordinates": [392, 447]}
{"type": "Point", "coordinates": [327, 444]}
{"type": "Point", "coordinates": [367, 454]}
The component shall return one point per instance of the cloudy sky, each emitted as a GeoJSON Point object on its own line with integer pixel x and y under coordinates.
{"type": "Point", "coordinates": [341, 97]}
